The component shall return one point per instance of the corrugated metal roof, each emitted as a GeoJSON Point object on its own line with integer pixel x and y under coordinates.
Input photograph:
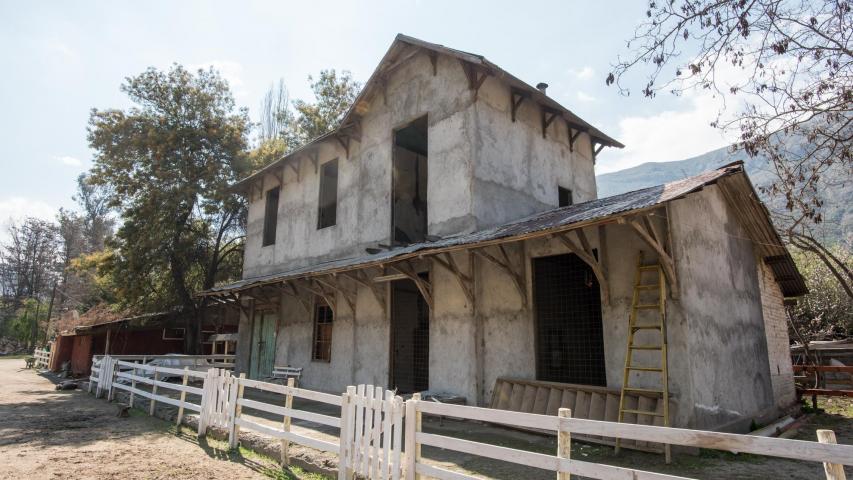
{"type": "Point", "coordinates": [595, 211]}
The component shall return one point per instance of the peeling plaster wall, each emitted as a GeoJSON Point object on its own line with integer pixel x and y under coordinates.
{"type": "Point", "coordinates": [720, 295]}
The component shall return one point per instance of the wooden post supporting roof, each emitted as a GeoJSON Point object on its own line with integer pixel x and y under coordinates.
{"type": "Point", "coordinates": [657, 241]}
{"type": "Point", "coordinates": [507, 267]}
{"type": "Point", "coordinates": [465, 281]}
{"type": "Point", "coordinates": [425, 287]}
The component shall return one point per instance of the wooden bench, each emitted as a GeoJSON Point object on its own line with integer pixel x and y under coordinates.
{"type": "Point", "coordinates": [283, 372]}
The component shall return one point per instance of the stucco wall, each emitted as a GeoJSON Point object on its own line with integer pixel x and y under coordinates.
{"type": "Point", "coordinates": [483, 170]}
{"type": "Point", "coordinates": [721, 300]}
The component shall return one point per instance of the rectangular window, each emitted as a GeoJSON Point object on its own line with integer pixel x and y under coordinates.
{"type": "Point", "coordinates": [565, 196]}
{"type": "Point", "coordinates": [271, 216]}
{"type": "Point", "coordinates": [328, 194]}
{"type": "Point", "coordinates": [323, 318]}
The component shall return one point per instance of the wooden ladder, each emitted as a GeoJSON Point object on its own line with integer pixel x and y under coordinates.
{"type": "Point", "coordinates": [644, 284]}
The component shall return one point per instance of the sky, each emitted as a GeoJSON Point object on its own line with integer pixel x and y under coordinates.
{"type": "Point", "coordinates": [62, 59]}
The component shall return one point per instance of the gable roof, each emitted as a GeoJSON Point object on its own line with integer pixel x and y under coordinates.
{"type": "Point", "coordinates": [401, 50]}
{"type": "Point", "coordinates": [731, 178]}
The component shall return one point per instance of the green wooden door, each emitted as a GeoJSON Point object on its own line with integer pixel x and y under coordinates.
{"type": "Point", "coordinates": [263, 344]}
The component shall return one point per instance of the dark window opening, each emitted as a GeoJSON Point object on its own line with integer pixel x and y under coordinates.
{"type": "Point", "coordinates": [323, 320]}
{"type": "Point", "coordinates": [409, 338]}
{"type": "Point", "coordinates": [328, 194]}
{"type": "Point", "coordinates": [271, 216]}
{"type": "Point", "coordinates": [409, 205]}
{"type": "Point", "coordinates": [569, 332]}
{"type": "Point", "coordinates": [565, 197]}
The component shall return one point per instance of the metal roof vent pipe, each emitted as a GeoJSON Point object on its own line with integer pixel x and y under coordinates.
{"type": "Point", "coordinates": [542, 86]}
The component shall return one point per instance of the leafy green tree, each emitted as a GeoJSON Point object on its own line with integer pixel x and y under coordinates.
{"type": "Point", "coordinates": [167, 163]}
{"type": "Point", "coordinates": [334, 94]}
{"type": "Point", "coordinates": [827, 311]}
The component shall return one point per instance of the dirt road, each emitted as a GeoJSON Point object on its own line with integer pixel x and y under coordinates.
{"type": "Point", "coordinates": [47, 434]}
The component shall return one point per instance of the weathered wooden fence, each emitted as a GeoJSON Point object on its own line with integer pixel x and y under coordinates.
{"type": "Point", "coordinates": [41, 357]}
{"type": "Point", "coordinates": [372, 422]}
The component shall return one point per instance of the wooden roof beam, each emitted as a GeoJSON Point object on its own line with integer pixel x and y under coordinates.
{"type": "Point", "coordinates": [516, 97]}
{"type": "Point", "coordinates": [548, 115]}
{"type": "Point", "coordinates": [585, 253]}
{"type": "Point", "coordinates": [465, 282]}
{"type": "Point", "coordinates": [506, 266]}
{"type": "Point", "coordinates": [664, 257]}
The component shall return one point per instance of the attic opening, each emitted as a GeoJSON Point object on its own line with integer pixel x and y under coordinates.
{"type": "Point", "coordinates": [409, 203]}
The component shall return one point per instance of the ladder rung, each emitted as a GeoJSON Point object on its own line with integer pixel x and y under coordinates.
{"type": "Point", "coordinates": [645, 369]}
{"type": "Point", "coordinates": [646, 327]}
{"type": "Point", "coordinates": [647, 305]}
{"type": "Point", "coordinates": [642, 390]}
{"type": "Point", "coordinates": [641, 412]}
{"type": "Point", "coordinates": [645, 347]}
{"type": "Point", "coordinates": [646, 268]}
{"type": "Point", "coordinates": [647, 287]}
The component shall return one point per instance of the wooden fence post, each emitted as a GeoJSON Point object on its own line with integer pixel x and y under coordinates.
{"type": "Point", "coordinates": [112, 378]}
{"type": "Point", "coordinates": [183, 397]}
{"type": "Point", "coordinates": [153, 393]}
{"type": "Point", "coordinates": [288, 403]}
{"type": "Point", "coordinates": [132, 385]}
{"type": "Point", "coordinates": [833, 471]}
{"type": "Point", "coordinates": [345, 453]}
{"type": "Point", "coordinates": [234, 433]}
{"type": "Point", "coordinates": [413, 426]}
{"type": "Point", "coordinates": [564, 441]}
{"type": "Point", "coordinates": [204, 413]}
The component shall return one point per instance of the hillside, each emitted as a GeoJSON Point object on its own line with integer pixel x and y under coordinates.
{"type": "Point", "coordinates": [838, 212]}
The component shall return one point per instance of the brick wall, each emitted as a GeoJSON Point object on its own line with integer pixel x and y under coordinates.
{"type": "Point", "coordinates": [778, 344]}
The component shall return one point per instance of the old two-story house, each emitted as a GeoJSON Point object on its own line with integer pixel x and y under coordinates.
{"type": "Point", "coordinates": [448, 238]}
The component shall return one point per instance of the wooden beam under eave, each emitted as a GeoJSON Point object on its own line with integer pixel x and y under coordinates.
{"type": "Point", "coordinates": [506, 267]}
{"type": "Point", "coordinates": [423, 286]}
{"type": "Point", "coordinates": [463, 280]}
{"type": "Point", "coordinates": [664, 258]}
{"type": "Point", "coordinates": [585, 253]}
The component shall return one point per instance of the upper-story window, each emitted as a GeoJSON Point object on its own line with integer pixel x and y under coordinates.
{"type": "Point", "coordinates": [411, 163]}
{"type": "Point", "coordinates": [271, 216]}
{"type": "Point", "coordinates": [327, 215]}
{"type": "Point", "coordinates": [565, 197]}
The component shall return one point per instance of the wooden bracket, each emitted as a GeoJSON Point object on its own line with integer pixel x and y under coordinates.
{"type": "Point", "coordinates": [333, 283]}
{"type": "Point", "coordinates": [596, 149]}
{"type": "Point", "coordinates": [653, 238]}
{"type": "Point", "coordinates": [506, 265]}
{"type": "Point", "coordinates": [585, 253]}
{"type": "Point", "coordinates": [343, 139]}
{"type": "Point", "coordinates": [433, 59]}
{"type": "Point", "coordinates": [465, 281]}
{"type": "Point", "coordinates": [352, 128]}
{"type": "Point", "coordinates": [548, 116]}
{"type": "Point", "coordinates": [516, 97]}
{"type": "Point", "coordinates": [295, 168]}
{"type": "Point", "coordinates": [476, 76]}
{"type": "Point", "coordinates": [574, 132]}
{"type": "Point", "coordinates": [280, 177]}
{"type": "Point", "coordinates": [424, 286]}
{"type": "Point", "coordinates": [292, 292]}
{"type": "Point", "coordinates": [314, 156]}
{"type": "Point", "coordinates": [361, 278]}
{"type": "Point", "coordinates": [317, 289]}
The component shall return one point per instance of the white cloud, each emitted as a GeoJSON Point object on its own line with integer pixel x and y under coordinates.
{"type": "Point", "coordinates": [61, 51]}
{"type": "Point", "coordinates": [585, 97]}
{"type": "Point", "coordinates": [69, 160]}
{"type": "Point", "coordinates": [667, 136]}
{"type": "Point", "coordinates": [230, 71]}
{"type": "Point", "coordinates": [13, 209]}
{"type": "Point", "coordinates": [584, 73]}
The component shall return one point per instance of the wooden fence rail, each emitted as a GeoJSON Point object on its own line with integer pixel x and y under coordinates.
{"type": "Point", "coordinates": [372, 422]}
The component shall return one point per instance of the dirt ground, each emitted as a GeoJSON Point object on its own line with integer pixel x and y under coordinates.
{"type": "Point", "coordinates": [47, 434]}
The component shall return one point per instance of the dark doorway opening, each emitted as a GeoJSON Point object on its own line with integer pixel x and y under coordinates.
{"type": "Point", "coordinates": [409, 338]}
{"type": "Point", "coordinates": [569, 333]}
{"type": "Point", "coordinates": [409, 204]}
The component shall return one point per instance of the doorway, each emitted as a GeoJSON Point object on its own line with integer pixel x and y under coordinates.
{"type": "Point", "coordinates": [569, 332]}
{"type": "Point", "coordinates": [409, 190]}
{"type": "Point", "coordinates": [263, 344]}
{"type": "Point", "coordinates": [409, 338]}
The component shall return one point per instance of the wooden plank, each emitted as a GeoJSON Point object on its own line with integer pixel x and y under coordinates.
{"type": "Point", "coordinates": [555, 396]}
{"type": "Point", "coordinates": [397, 439]}
{"type": "Point", "coordinates": [290, 412]}
{"type": "Point", "coordinates": [517, 397]}
{"type": "Point", "coordinates": [581, 409]}
{"type": "Point", "coordinates": [296, 392]}
{"type": "Point", "coordinates": [431, 471]}
{"type": "Point", "coordinates": [505, 417]}
{"type": "Point", "coordinates": [597, 406]}
{"type": "Point", "coordinates": [630, 404]}
{"type": "Point", "coordinates": [611, 408]}
{"type": "Point", "coordinates": [528, 399]}
{"type": "Point", "coordinates": [314, 443]}
{"type": "Point", "coordinates": [833, 471]}
{"type": "Point", "coordinates": [386, 435]}
{"type": "Point", "coordinates": [504, 395]}
{"type": "Point", "coordinates": [569, 397]}
{"type": "Point", "coordinates": [770, 446]}
{"type": "Point", "coordinates": [540, 405]}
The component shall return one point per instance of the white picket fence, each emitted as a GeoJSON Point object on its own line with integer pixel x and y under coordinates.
{"type": "Point", "coordinates": [41, 358]}
{"type": "Point", "coordinates": [370, 444]}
